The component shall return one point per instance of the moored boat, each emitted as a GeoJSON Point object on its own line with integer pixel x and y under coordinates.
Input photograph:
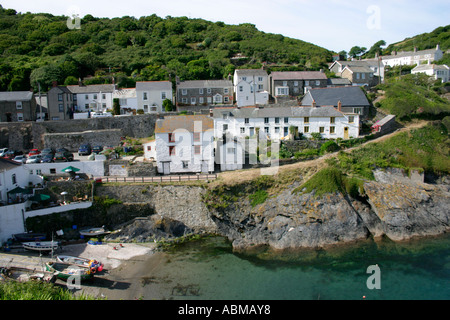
{"type": "Point", "coordinates": [64, 271]}
{"type": "Point", "coordinates": [93, 232]}
{"type": "Point", "coordinates": [26, 237]}
{"type": "Point", "coordinates": [93, 264]}
{"type": "Point", "coordinates": [20, 274]}
{"type": "Point", "coordinates": [41, 245]}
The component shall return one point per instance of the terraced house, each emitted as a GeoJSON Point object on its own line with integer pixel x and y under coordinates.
{"type": "Point", "coordinates": [292, 84]}
{"type": "Point", "coordinates": [285, 122]}
{"type": "Point", "coordinates": [204, 93]}
{"type": "Point", "coordinates": [17, 106]}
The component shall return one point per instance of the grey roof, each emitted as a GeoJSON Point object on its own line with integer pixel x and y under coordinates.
{"type": "Point", "coordinates": [361, 69]}
{"type": "Point", "coordinates": [424, 67]}
{"type": "Point", "coordinates": [6, 164]}
{"type": "Point", "coordinates": [153, 85]}
{"type": "Point", "coordinates": [205, 84]}
{"type": "Point", "coordinates": [297, 75]}
{"type": "Point", "coordinates": [271, 112]}
{"type": "Point", "coordinates": [251, 72]}
{"type": "Point", "coordinates": [410, 53]}
{"type": "Point", "coordinates": [349, 96]}
{"type": "Point", "coordinates": [339, 81]}
{"type": "Point", "coordinates": [16, 96]}
{"type": "Point", "coordinates": [92, 88]}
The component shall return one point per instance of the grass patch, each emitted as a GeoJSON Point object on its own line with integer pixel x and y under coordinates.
{"type": "Point", "coordinates": [258, 197]}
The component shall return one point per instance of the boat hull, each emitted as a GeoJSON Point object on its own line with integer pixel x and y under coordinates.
{"type": "Point", "coordinates": [94, 265]}
{"type": "Point", "coordinates": [41, 246]}
{"type": "Point", "coordinates": [66, 271]}
{"type": "Point", "coordinates": [27, 237]}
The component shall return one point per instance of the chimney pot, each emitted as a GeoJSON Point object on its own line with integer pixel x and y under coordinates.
{"type": "Point", "coordinates": [314, 104]}
{"type": "Point", "coordinates": [339, 105]}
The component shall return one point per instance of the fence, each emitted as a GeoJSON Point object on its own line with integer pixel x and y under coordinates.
{"type": "Point", "coordinates": [168, 178]}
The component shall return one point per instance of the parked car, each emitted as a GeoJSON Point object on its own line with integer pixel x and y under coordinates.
{"type": "Point", "coordinates": [61, 150]}
{"type": "Point", "coordinates": [3, 152]}
{"type": "Point", "coordinates": [36, 158]}
{"type": "Point", "coordinates": [33, 152]}
{"type": "Point", "coordinates": [63, 156]}
{"type": "Point", "coordinates": [21, 158]}
{"type": "Point", "coordinates": [47, 151]}
{"type": "Point", "coordinates": [97, 149]}
{"type": "Point", "coordinates": [101, 114]}
{"type": "Point", "coordinates": [47, 158]}
{"type": "Point", "coordinates": [10, 154]}
{"type": "Point", "coordinates": [84, 150]}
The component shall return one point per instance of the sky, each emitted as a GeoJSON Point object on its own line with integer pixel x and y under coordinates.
{"type": "Point", "coordinates": [332, 24]}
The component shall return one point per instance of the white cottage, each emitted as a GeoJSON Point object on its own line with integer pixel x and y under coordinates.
{"type": "Point", "coordinates": [151, 95]}
{"type": "Point", "coordinates": [185, 144]}
{"type": "Point", "coordinates": [437, 71]}
{"type": "Point", "coordinates": [251, 86]}
{"type": "Point", "coordinates": [282, 122]}
{"type": "Point", "coordinates": [97, 97]}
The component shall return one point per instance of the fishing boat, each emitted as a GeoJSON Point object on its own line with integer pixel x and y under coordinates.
{"type": "Point", "coordinates": [41, 245]}
{"type": "Point", "coordinates": [64, 271]}
{"type": "Point", "coordinates": [26, 237]}
{"type": "Point", "coordinates": [93, 232]}
{"type": "Point", "coordinates": [93, 264]}
{"type": "Point", "coordinates": [20, 274]}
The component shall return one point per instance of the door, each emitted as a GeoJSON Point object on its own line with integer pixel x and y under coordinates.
{"type": "Point", "coordinates": [252, 131]}
{"type": "Point", "coordinates": [346, 133]}
{"type": "Point", "coordinates": [166, 167]}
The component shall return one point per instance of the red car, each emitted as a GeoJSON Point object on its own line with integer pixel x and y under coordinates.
{"type": "Point", "coordinates": [33, 152]}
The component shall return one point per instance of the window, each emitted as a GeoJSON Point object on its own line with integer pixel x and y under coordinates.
{"type": "Point", "coordinates": [171, 137]}
{"type": "Point", "coordinates": [209, 99]}
{"type": "Point", "coordinates": [295, 83]}
{"type": "Point", "coordinates": [242, 129]}
{"type": "Point", "coordinates": [332, 129]}
{"type": "Point", "coordinates": [224, 116]}
{"type": "Point", "coordinates": [145, 107]}
{"type": "Point", "coordinates": [284, 83]}
{"type": "Point", "coordinates": [153, 109]}
{"type": "Point", "coordinates": [332, 119]}
{"type": "Point", "coordinates": [286, 120]}
{"type": "Point", "coordinates": [282, 91]}
{"type": "Point", "coordinates": [149, 148]}
{"type": "Point", "coordinates": [218, 98]}
{"type": "Point", "coordinates": [197, 149]}
{"type": "Point", "coordinates": [184, 92]}
{"type": "Point", "coordinates": [266, 120]}
{"type": "Point", "coordinates": [184, 100]}
{"type": "Point", "coordinates": [226, 99]}
{"type": "Point", "coordinates": [247, 120]}
{"type": "Point", "coordinates": [19, 105]}
{"type": "Point", "coordinates": [19, 116]}
{"type": "Point", "coordinates": [225, 127]}
{"type": "Point", "coordinates": [38, 172]}
{"type": "Point", "coordinates": [200, 91]}
{"type": "Point", "coordinates": [286, 131]}
{"type": "Point", "coordinates": [14, 179]}
{"type": "Point", "coordinates": [241, 88]}
{"type": "Point", "coordinates": [185, 164]}
{"type": "Point", "coordinates": [103, 96]}
{"type": "Point", "coordinates": [306, 119]}
{"type": "Point", "coordinates": [193, 100]}
{"type": "Point", "coordinates": [351, 119]}
{"type": "Point", "coordinates": [61, 107]}
{"type": "Point", "coordinates": [226, 90]}
{"type": "Point", "coordinates": [277, 129]}
{"type": "Point", "coordinates": [201, 100]}
{"type": "Point", "coordinates": [52, 171]}
{"type": "Point", "coordinates": [208, 90]}
{"type": "Point", "coordinates": [317, 83]}
{"type": "Point", "coordinates": [172, 150]}
{"type": "Point", "coordinates": [277, 120]}
{"type": "Point", "coordinates": [196, 136]}
{"type": "Point", "coordinates": [163, 95]}
{"type": "Point", "coordinates": [75, 97]}
{"type": "Point", "coordinates": [260, 79]}
{"type": "Point", "coordinates": [231, 150]}
{"type": "Point", "coordinates": [244, 78]}
{"type": "Point", "coordinates": [60, 97]}
{"type": "Point", "coordinates": [260, 87]}
{"type": "Point", "coordinates": [266, 129]}
{"type": "Point", "coordinates": [321, 129]}
{"type": "Point", "coordinates": [357, 110]}
{"type": "Point", "coordinates": [306, 83]}
{"type": "Point", "coordinates": [306, 129]}
{"type": "Point", "coordinates": [95, 97]}
{"type": "Point", "coordinates": [86, 97]}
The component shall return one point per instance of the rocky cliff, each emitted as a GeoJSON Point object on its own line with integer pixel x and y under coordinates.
{"type": "Point", "coordinates": [395, 206]}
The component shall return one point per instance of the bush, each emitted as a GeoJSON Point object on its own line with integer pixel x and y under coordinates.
{"type": "Point", "coordinates": [258, 197]}
{"type": "Point", "coordinates": [329, 146]}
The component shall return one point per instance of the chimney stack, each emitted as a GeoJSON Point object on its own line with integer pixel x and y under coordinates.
{"type": "Point", "coordinates": [339, 106]}
{"type": "Point", "coordinates": [415, 49]}
{"type": "Point", "coordinates": [314, 104]}
{"type": "Point", "coordinates": [211, 113]}
{"type": "Point", "coordinates": [55, 84]}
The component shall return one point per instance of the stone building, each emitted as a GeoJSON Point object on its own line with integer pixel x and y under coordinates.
{"type": "Point", "coordinates": [17, 106]}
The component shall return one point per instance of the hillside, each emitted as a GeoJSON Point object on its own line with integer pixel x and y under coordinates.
{"type": "Point", "coordinates": [42, 47]}
{"type": "Point", "coordinates": [424, 41]}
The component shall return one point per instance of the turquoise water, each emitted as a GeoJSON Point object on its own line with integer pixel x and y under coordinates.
{"type": "Point", "coordinates": [208, 269]}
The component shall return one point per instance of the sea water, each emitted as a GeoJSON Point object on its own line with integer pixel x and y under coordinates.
{"type": "Point", "coordinates": [209, 269]}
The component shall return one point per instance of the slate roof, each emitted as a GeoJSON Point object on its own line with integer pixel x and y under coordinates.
{"type": "Point", "coordinates": [251, 72]}
{"type": "Point", "coordinates": [6, 164]}
{"type": "Point", "coordinates": [16, 96]}
{"type": "Point", "coordinates": [104, 88]}
{"type": "Point", "coordinates": [297, 75]}
{"type": "Point", "coordinates": [153, 85]}
{"type": "Point", "coordinates": [349, 96]}
{"type": "Point", "coordinates": [187, 122]}
{"type": "Point", "coordinates": [271, 112]}
{"type": "Point", "coordinates": [204, 84]}
{"type": "Point", "coordinates": [424, 67]}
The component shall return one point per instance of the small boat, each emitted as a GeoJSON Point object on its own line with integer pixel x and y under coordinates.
{"type": "Point", "coordinates": [92, 232]}
{"type": "Point", "coordinates": [41, 245]}
{"type": "Point", "coordinates": [64, 271]}
{"type": "Point", "coordinates": [26, 237]}
{"type": "Point", "coordinates": [20, 274]}
{"type": "Point", "coordinates": [93, 264]}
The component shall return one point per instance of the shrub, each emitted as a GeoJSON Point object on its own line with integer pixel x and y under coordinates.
{"type": "Point", "coordinates": [329, 146]}
{"type": "Point", "coordinates": [258, 197]}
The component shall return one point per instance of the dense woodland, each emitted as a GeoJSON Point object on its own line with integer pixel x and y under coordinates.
{"type": "Point", "coordinates": [41, 47]}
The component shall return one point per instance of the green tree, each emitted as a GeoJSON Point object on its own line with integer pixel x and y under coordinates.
{"type": "Point", "coordinates": [45, 76]}
{"type": "Point", "coordinates": [168, 105]}
{"type": "Point", "coordinates": [116, 106]}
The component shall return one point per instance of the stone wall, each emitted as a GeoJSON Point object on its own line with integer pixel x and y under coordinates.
{"type": "Point", "coordinates": [72, 141]}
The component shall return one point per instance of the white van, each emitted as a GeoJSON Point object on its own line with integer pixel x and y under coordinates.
{"type": "Point", "coordinates": [101, 114]}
